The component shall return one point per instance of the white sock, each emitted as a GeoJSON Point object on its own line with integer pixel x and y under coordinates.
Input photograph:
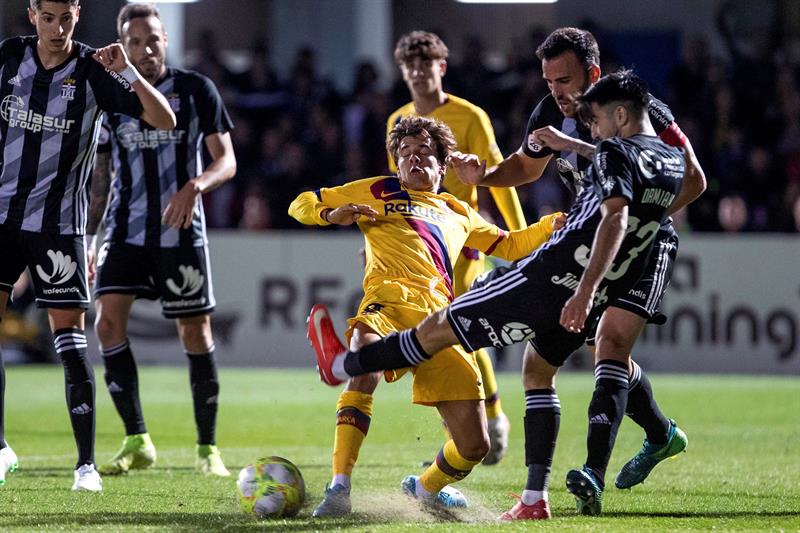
{"type": "Point", "coordinates": [341, 479]}
{"type": "Point", "coordinates": [421, 493]}
{"type": "Point", "coordinates": [529, 497]}
{"type": "Point", "coordinates": [337, 368]}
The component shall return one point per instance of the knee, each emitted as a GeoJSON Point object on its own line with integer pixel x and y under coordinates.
{"type": "Point", "coordinates": [109, 332]}
{"type": "Point", "coordinates": [195, 334]}
{"type": "Point", "coordinates": [476, 448]}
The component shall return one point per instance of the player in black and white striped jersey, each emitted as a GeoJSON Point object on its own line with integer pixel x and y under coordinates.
{"type": "Point", "coordinates": [53, 92]}
{"type": "Point", "coordinates": [155, 242]}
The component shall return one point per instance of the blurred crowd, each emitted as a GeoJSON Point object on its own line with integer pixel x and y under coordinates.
{"type": "Point", "coordinates": [741, 112]}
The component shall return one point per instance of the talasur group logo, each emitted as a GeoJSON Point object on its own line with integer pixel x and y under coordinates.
{"type": "Point", "coordinates": [13, 111]}
{"type": "Point", "coordinates": [192, 281]}
{"type": "Point", "coordinates": [63, 268]}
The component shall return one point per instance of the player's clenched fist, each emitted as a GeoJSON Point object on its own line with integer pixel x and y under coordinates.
{"type": "Point", "coordinates": [468, 167]}
{"type": "Point", "coordinates": [112, 57]}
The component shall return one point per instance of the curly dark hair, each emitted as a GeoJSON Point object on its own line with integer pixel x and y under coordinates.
{"type": "Point", "coordinates": [581, 42]}
{"type": "Point", "coordinates": [438, 131]}
{"type": "Point", "coordinates": [423, 44]}
{"type": "Point", "coordinates": [135, 11]}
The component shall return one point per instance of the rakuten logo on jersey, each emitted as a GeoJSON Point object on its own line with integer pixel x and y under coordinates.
{"type": "Point", "coordinates": [63, 268]}
{"type": "Point", "coordinates": [131, 137]}
{"type": "Point", "coordinates": [13, 111]}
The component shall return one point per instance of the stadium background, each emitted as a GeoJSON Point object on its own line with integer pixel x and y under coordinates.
{"type": "Point", "coordinates": [310, 83]}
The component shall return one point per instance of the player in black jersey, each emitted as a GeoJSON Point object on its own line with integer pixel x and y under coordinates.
{"type": "Point", "coordinates": [155, 242]}
{"type": "Point", "coordinates": [547, 298]}
{"type": "Point", "coordinates": [53, 92]}
{"type": "Point", "coordinates": [570, 59]}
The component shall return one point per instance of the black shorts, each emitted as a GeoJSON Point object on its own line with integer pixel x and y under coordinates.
{"type": "Point", "coordinates": [645, 298]}
{"type": "Point", "coordinates": [515, 305]}
{"type": "Point", "coordinates": [180, 277]}
{"type": "Point", "coordinates": [57, 265]}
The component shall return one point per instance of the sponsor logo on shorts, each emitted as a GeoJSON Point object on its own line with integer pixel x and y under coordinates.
{"type": "Point", "coordinates": [465, 322]}
{"type": "Point", "coordinates": [185, 303]}
{"type": "Point", "coordinates": [63, 268]}
{"type": "Point", "coordinates": [491, 333]}
{"type": "Point", "coordinates": [191, 283]}
{"type": "Point", "coordinates": [515, 332]}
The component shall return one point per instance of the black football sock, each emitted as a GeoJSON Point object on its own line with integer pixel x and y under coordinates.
{"type": "Point", "coordinates": [396, 350]}
{"type": "Point", "coordinates": [643, 409]}
{"type": "Point", "coordinates": [205, 394]}
{"type": "Point", "coordinates": [70, 345]}
{"type": "Point", "coordinates": [605, 413]}
{"type": "Point", "coordinates": [122, 380]}
{"type": "Point", "coordinates": [542, 420]}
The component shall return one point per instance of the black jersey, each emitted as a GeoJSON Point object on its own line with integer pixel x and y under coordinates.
{"type": "Point", "coordinates": [49, 125]}
{"type": "Point", "coordinates": [646, 172]}
{"type": "Point", "coordinates": [571, 166]}
{"type": "Point", "coordinates": [152, 165]}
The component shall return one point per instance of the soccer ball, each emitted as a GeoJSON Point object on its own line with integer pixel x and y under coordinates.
{"type": "Point", "coordinates": [515, 332]}
{"type": "Point", "coordinates": [272, 487]}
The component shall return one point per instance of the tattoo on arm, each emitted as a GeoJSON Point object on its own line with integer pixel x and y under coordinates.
{"type": "Point", "coordinates": [101, 184]}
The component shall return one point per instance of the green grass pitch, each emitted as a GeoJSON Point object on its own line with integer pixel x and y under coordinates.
{"type": "Point", "coordinates": [741, 472]}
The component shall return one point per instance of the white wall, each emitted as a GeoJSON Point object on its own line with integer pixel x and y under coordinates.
{"type": "Point", "coordinates": [734, 303]}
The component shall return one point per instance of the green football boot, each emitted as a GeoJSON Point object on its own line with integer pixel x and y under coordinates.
{"type": "Point", "coordinates": [209, 461]}
{"type": "Point", "coordinates": [587, 491]}
{"type": "Point", "coordinates": [637, 469]}
{"type": "Point", "coordinates": [137, 453]}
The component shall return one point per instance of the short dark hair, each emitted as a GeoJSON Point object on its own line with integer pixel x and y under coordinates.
{"type": "Point", "coordinates": [422, 44]}
{"type": "Point", "coordinates": [581, 42]}
{"type": "Point", "coordinates": [413, 125]}
{"type": "Point", "coordinates": [135, 11]}
{"type": "Point", "coordinates": [36, 5]}
{"type": "Point", "coordinates": [622, 86]}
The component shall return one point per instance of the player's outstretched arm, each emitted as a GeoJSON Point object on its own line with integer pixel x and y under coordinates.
{"type": "Point", "coordinates": [607, 240]}
{"type": "Point", "coordinates": [156, 112]}
{"type": "Point", "coordinates": [516, 169]}
{"type": "Point", "coordinates": [307, 208]}
{"type": "Point", "coordinates": [180, 208]}
{"type": "Point", "coordinates": [558, 141]}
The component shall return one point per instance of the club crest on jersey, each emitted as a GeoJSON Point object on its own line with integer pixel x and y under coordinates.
{"type": "Point", "coordinates": [174, 100]}
{"type": "Point", "coordinates": [68, 89]}
{"type": "Point", "coordinates": [533, 145]}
